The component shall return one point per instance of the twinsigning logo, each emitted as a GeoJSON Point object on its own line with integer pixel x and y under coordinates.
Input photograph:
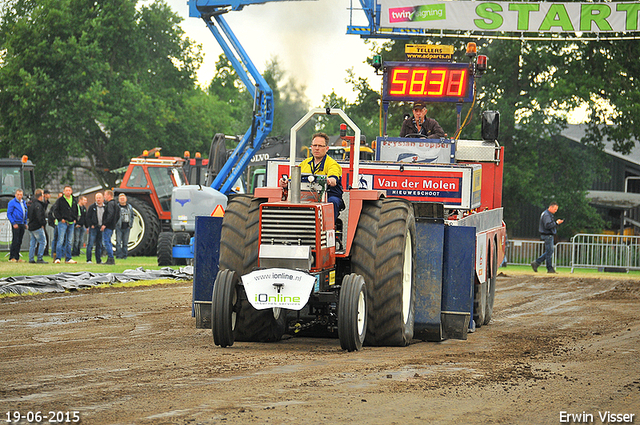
{"type": "Point", "coordinates": [429, 12]}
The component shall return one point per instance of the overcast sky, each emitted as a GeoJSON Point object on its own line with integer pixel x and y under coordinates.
{"type": "Point", "coordinates": [308, 38]}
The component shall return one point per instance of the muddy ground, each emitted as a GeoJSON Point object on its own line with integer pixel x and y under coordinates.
{"type": "Point", "coordinates": [133, 356]}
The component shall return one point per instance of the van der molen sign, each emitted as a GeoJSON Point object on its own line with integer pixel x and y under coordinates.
{"type": "Point", "coordinates": [511, 16]}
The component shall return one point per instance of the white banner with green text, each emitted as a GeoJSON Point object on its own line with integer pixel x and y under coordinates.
{"type": "Point", "coordinates": [511, 16]}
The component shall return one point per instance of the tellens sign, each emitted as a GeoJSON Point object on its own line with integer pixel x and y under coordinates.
{"type": "Point", "coordinates": [512, 16]}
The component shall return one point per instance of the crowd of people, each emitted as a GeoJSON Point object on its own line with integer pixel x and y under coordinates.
{"type": "Point", "coordinates": [71, 219]}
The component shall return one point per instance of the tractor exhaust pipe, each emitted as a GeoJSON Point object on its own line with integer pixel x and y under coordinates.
{"type": "Point", "coordinates": [296, 176]}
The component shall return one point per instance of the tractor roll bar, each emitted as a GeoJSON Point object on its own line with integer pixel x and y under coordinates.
{"type": "Point", "coordinates": [355, 154]}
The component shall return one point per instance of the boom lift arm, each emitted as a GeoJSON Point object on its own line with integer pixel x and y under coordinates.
{"type": "Point", "coordinates": [211, 12]}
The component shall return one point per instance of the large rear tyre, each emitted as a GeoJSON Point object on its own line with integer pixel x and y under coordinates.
{"type": "Point", "coordinates": [352, 313]}
{"type": "Point", "coordinates": [233, 234]}
{"type": "Point", "coordinates": [143, 236]}
{"type": "Point", "coordinates": [391, 295]}
{"type": "Point", "coordinates": [224, 303]}
{"type": "Point", "coordinates": [239, 252]}
{"type": "Point", "coordinates": [491, 285]}
{"type": "Point", "coordinates": [363, 248]}
{"type": "Point", "coordinates": [259, 325]}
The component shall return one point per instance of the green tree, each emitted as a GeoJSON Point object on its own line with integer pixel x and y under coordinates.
{"type": "Point", "coordinates": [534, 85]}
{"type": "Point", "coordinates": [290, 101]}
{"type": "Point", "coordinates": [229, 89]}
{"type": "Point", "coordinates": [97, 79]}
{"type": "Point", "coordinates": [607, 72]}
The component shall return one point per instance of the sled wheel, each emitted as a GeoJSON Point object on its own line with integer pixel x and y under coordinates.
{"type": "Point", "coordinates": [223, 307]}
{"type": "Point", "coordinates": [479, 302]}
{"type": "Point", "coordinates": [352, 313]}
{"type": "Point", "coordinates": [491, 290]}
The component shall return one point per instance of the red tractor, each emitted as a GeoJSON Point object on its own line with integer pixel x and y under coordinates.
{"type": "Point", "coordinates": [397, 266]}
{"type": "Point", "coordinates": [148, 183]}
{"type": "Point", "coordinates": [294, 245]}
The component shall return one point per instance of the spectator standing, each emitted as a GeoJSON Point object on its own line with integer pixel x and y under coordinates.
{"type": "Point", "coordinates": [95, 214]}
{"type": "Point", "coordinates": [53, 222]}
{"type": "Point", "coordinates": [109, 221]}
{"type": "Point", "coordinates": [80, 229]}
{"type": "Point", "coordinates": [123, 226]}
{"type": "Point", "coordinates": [17, 215]}
{"type": "Point", "coordinates": [45, 199]}
{"type": "Point", "coordinates": [65, 211]}
{"type": "Point", "coordinates": [548, 227]}
{"type": "Point", "coordinates": [37, 225]}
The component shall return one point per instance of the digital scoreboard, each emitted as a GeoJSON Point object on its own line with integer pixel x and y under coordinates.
{"type": "Point", "coordinates": [427, 81]}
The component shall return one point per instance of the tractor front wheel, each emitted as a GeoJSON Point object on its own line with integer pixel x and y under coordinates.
{"type": "Point", "coordinates": [239, 246]}
{"type": "Point", "coordinates": [352, 313]}
{"type": "Point", "coordinates": [224, 302]}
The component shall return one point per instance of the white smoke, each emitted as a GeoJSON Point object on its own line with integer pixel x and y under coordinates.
{"type": "Point", "coordinates": [308, 38]}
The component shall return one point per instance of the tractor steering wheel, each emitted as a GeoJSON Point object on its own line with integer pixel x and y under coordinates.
{"type": "Point", "coordinates": [416, 135]}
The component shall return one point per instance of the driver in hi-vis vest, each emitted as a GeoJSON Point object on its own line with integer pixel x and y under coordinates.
{"type": "Point", "coordinates": [320, 163]}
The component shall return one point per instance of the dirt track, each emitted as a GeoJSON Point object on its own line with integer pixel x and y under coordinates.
{"type": "Point", "coordinates": [556, 344]}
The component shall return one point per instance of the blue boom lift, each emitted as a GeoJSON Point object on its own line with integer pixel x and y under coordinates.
{"type": "Point", "coordinates": [195, 200]}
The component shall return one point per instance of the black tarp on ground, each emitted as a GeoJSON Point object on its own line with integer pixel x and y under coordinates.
{"type": "Point", "coordinates": [70, 281]}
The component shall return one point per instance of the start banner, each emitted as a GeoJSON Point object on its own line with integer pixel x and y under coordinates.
{"type": "Point", "coordinates": [511, 16]}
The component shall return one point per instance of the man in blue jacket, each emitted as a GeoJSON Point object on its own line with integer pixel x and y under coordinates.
{"type": "Point", "coordinates": [17, 215]}
{"type": "Point", "coordinates": [548, 228]}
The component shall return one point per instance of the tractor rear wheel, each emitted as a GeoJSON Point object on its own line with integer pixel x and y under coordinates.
{"type": "Point", "coordinates": [239, 252]}
{"type": "Point", "coordinates": [233, 233]}
{"type": "Point", "coordinates": [143, 237]}
{"type": "Point", "coordinates": [352, 313]}
{"type": "Point", "coordinates": [224, 300]}
{"type": "Point", "coordinates": [363, 249]}
{"type": "Point", "coordinates": [391, 294]}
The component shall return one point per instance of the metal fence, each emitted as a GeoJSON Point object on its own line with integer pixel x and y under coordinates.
{"type": "Point", "coordinates": [584, 251]}
{"type": "Point", "coordinates": [605, 251]}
